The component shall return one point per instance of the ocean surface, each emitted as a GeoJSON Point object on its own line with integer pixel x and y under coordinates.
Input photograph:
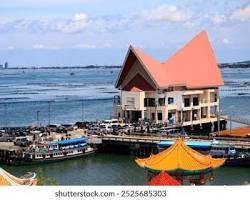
{"type": "Point", "coordinates": [32, 96]}
{"type": "Point", "coordinates": [42, 96]}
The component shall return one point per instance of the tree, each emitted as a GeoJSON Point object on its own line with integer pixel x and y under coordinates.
{"type": "Point", "coordinates": [42, 179]}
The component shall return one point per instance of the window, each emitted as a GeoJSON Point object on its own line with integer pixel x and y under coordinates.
{"type": "Point", "coordinates": [195, 101]}
{"type": "Point", "coordinates": [215, 97]}
{"type": "Point", "coordinates": [186, 102]}
{"type": "Point", "coordinates": [153, 116]}
{"type": "Point", "coordinates": [149, 102]}
{"type": "Point", "coordinates": [195, 115]}
{"type": "Point", "coordinates": [170, 115]}
{"type": "Point", "coordinates": [131, 101]}
{"type": "Point", "coordinates": [171, 118]}
{"type": "Point", "coordinates": [159, 116]}
{"type": "Point", "coordinates": [170, 100]}
{"type": "Point", "coordinates": [161, 101]}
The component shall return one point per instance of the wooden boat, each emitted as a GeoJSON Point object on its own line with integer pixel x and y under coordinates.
{"type": "Point", "coordinates": [56, 151]}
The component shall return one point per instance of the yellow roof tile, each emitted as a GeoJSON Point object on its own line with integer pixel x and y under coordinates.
{"type": "Point", "coordinates": [180, 157]}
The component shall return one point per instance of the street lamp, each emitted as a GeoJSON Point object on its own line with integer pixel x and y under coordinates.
{"type": "Point", "coordinates": [37, 117]}
{"type": "Point", "coordinates": [82, 110]}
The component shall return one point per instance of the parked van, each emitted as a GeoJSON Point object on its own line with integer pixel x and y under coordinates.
{"type": "Point", "coordinates": [22, 141]}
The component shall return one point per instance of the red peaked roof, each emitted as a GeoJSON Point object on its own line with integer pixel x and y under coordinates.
{"type": "Point", "coordinates": [163, 179]}
{"type": "Point", "coordinates": [193, 66]}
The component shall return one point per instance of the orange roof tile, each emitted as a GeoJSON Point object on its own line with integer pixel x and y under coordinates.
{"type": "Point", "coordinates": [193, 66]}
{"type": "Point", "coordinates": [180, 157]}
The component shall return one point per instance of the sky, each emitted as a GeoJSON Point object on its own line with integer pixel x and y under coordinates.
{"type": "Point", "coordinates": [99, 32]}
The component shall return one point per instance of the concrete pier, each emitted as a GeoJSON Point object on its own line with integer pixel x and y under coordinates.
{"type": "Point", "coordinates": [9, 152]}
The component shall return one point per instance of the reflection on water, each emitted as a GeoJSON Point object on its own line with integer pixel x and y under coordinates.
{"type": "Point", "coordinates": [113, 169]}
{"type": "Point", "coordinates": [98, 169]}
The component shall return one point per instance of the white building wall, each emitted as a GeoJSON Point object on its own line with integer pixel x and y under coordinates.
{"type": "Point", "coordinates": [134, 101]}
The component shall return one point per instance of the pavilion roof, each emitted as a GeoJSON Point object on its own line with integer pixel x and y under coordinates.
{"type": "Point", "coordinates": [180, 157]}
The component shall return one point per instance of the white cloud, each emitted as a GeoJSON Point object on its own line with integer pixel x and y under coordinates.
{"type": "Point", "coordinates": [167, 13]}
{"type": "Point", "coordinates": [78, 23]}
{"type": "Point", "coordinates": [92, 46]}
{"type": "Point", "coordinates": [41, 2]}
{"type": "Point", "coordinates": [225, 41]}
{"type": "Point", "coordinates": [84, 46]}
{"type": "Point", "coordinates": [41, 46]}
{"type": "Point", "coordinates": [10, 47]}
{"type": "Point", "coordinates": [38, 46]}
{"type": "Point", "coordinates": [242, 14]}
{"type": "Point", "coordinates": [218, 18]}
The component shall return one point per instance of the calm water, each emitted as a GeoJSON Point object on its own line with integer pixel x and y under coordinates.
{"type": "Point", "coordinates": [87, 93]}
{"type": "Point", "coordinates": [113, 169]}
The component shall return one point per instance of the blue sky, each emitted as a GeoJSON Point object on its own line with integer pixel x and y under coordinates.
{"type": "Point", "coordinates": [84, 32]}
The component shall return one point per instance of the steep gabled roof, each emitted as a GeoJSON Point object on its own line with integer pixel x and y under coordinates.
{"type": "Point", "coordinates": [146, 61]}
{"type": "Point", "coordinates": [193, 66]}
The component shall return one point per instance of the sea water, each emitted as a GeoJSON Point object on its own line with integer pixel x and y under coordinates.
{"type": "Point", "coordinates": [70, 95]}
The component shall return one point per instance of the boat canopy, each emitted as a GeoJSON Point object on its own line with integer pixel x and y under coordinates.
{"type": "Point", "coordinates": [192, 144]}
{"type": "Point", "coordinates": [179, 157]}
{"type": "Point", "coordinates": [71, 141]}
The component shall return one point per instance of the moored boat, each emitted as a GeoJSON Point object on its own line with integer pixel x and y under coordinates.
{"type": "Point", "coordinates": [57, 150]}
{"type": "Point", "coordinates": [234, 158]}
{"type": "Point", "coordinates": [203, 145]}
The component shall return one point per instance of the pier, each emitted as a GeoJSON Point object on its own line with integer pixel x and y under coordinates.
{"type": "Point", "coordinates": [139, 144]}
{"type": "Point", "coordinates": [143, 145]}
{"type": "Point", "coordinates": [8, 152]}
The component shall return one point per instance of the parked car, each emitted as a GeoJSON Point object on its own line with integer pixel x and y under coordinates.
{"type": "Point", "coordinates": [52, 127]}
{"type": "Point", "coordinates": [105, 128]}
{"type": "Point", "coordinates": [7, 138]}
{"type": "Point", "coordinates": [128, 128]}
{"type": "Point", "coordinates": [172, 132]}
{"type": "Point", "coordinates": [93, 130]}
{"type": "Point", "coordinates": [22, 141]}
{"type": "Point", "coordinates": [69, 127]}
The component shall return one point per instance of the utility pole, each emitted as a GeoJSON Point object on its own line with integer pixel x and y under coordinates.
{"type": "Point", "coordinates": [49, 111]}
{"type": "Point", "coordinates": [82, 110]}
{"type": "Point", "coordinates": [218, 120]}
{"type": "Point", "coordinates": [5, 116]}
{"type": "Point", "coordinates": [37, 117]}
{"type": "Point", "coordinates": [230, 118]}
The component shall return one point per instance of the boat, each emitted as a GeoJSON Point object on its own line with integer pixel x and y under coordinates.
{"type": "Point", "coordinates": [203, 145]}
{"type": "Point", "coordinates": [222, 150]}
{"type": "Point", "coordinates": [233, 157]}
{"type": "Point", "coordinates": [57, 150]}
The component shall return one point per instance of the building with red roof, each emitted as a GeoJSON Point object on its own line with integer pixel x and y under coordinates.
{"type": "Point", "coordinates": [182, 90]}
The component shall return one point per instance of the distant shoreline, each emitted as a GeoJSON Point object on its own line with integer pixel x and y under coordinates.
{"type": "Point", "coordinates": [222, 65]}
{"type": "Point", "coordinates": [70, 67]}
